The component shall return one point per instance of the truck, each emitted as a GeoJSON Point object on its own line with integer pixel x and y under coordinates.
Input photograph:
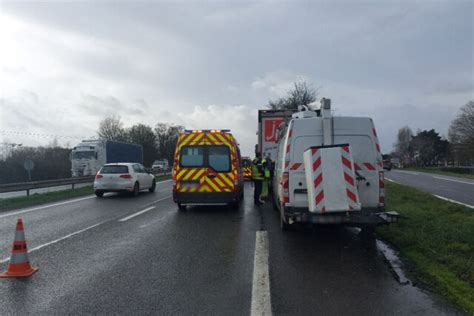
{"type": "Point", "coordinates": [269, 124]}
{"type": "Point", "coordinates": [329, 171]}
{"type": "Point", "coordinates": [89, 156]}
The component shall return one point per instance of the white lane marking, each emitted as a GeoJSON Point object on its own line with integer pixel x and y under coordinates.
{"type": "Point", "coordinates": [453, 201]}
{"type": "Point", "coordinates": [391, 180]}
{"type": "Point", "coordinates": [47, 206]}
{"type": "Point", "coordinates": [164, 181]}
{"type": "Point", "coordinates": [143, 211]}
{"type": "Point", "coordinates": [409, 172]}
{"type": "Point", "coordinates": [261, 299]}
{"type": "Point", "coordinates": [136, 214]}
{"type": "Point", "coordinates": [58, 240]}
{"type": "Point", "coordinates": [443, 178]}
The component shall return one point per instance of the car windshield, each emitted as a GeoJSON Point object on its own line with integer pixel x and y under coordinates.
{"type": "Point", "coordinates": [83, 155]}
{"type": "Point", "coordinates": [114, 169]}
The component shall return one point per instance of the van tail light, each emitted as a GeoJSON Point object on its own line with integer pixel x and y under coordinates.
{"type": "Point", "coordinates": [174, 174]}
{"type": "Point", "coordinates": [381, 189]}
{"type": "Point", "coordinates": [236, 179]}
{"type": "Point", "coordinates": [125, 176]}
{"type": "Point", "coordinates": [98, 176]}
{"type": "Point", "coordinates": [285, 186]}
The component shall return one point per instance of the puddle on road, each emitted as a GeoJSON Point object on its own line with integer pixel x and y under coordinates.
{"type": "Point", "coordinates": [392, 258]}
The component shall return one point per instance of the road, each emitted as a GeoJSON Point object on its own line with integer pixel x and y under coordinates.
{"type": "Point", "coordinates": [122, 255]}
{"type": "Point", "coordinates": [459, 190]}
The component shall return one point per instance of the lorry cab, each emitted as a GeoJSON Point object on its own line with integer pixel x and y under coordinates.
{"type": "Point", "coordinates": [207, 169]}
{"type": "Point", "coordinates": [312, 132]}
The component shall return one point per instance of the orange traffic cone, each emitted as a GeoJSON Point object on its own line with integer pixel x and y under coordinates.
{"type": "Point", "coordinates": [19, 265]}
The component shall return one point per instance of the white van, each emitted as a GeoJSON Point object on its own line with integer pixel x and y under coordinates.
{"type": "Point", "coordinates": [312, 133]}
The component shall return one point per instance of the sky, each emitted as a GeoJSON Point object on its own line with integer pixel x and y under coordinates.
{"type": "Point", "coordinates": [64, 66]}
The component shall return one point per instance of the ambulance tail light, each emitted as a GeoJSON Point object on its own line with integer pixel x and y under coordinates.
{"type": "Point", "coordinates": [381, 189]}
{"type": "Point", "coordinates": [285, 179]}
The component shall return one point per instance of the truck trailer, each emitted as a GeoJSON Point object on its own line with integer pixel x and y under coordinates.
{"type": "Point", "coordinates": [90, 155]}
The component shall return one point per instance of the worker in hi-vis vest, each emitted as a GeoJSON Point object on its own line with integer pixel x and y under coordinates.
{"type": "Point", "coordinates": [266, 179]}
{"type": "Point", "coordinates": [257, 177]}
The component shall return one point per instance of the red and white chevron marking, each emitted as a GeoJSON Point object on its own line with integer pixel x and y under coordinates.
{"type": "Point", "coordinates": [318, 180]}
{"type": "Point", "coordinates": [288, 147]}
{"type": "Point", "coordinates": [348, 169]}
{"type": "Point", "coordinates": [379, 163]}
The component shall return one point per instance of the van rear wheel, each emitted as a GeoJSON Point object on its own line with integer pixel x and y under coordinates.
{"type": "Point", "coordinates": [181, 207]}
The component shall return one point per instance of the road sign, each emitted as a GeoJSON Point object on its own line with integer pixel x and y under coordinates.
{"type": "Point", "coordinates": [29, 165]}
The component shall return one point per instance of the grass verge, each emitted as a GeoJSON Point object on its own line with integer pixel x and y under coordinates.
{"type": "Point", "coordinates": [43, 198]}
{"type": "Point", "coordinates": [440, 172]}
{"type": "Point", "coordinates": [49, 197]}
{"type": "Point", "coordinates": [437, 239]}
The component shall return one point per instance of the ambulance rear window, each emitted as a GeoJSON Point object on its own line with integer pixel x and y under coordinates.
{"type": "Point", "coordinates": [192, 156]}
{"type": "Point", "coordinates": [215, 157]}
{"type": "Point", "coordinates": [219, 158]}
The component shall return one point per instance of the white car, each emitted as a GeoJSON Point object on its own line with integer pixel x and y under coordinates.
{"type": "Point", "coordinates": [160, 165]}
{"type": "Point", "coordinates": [123, 177]}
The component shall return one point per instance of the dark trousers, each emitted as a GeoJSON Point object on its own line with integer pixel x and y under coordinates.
{"type": "Point", "coordinates": [257, 189]}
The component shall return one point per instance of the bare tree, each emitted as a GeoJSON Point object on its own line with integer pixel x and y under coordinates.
{"type": "Point", "coordinates": [166, 138]}
{"type": "Point", "coordinates": [111, 128]}
{"type": "Point", "coordinates": [143, 135]}
{"type": "Point", "coordinates": [461, 134]}
{"type": "Point", "coordinates": [402, 146]}
{"type": "Point", "coordinates": [301, 94]}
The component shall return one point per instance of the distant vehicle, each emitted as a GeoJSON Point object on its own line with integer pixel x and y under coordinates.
{"type": "Point", "coordinates": [123, 177]}
{"type": "Point", "coordinates": [207, 169]}
{"type": "Point", "coordinates": [90, 155]}
{"type": "Point", "coordinates": [387, 162]}
{"type": "Point", "coordinates": [247, 168]}
{"type": "Point", "coordinates": [329, 171]}
{"type": "Point", "coordinates": [160, 165]}
{"type": "Point", "coordinates": [395, 162]}
{"type": "Point", "coordinates": [269, 124]}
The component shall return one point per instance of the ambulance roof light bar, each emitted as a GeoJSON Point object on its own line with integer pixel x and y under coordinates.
{"type": "Point", "coordinates": [207, 131]}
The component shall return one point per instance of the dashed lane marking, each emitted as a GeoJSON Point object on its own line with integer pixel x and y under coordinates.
{"type": "Point", "coordinates": [143, 211]}
{"type": "Point", "coordinates": [58, 240]}
{"type": "Point", "coordinates": [261, 299]}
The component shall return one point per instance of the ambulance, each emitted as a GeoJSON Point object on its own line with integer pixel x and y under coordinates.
{"type": "Point", "coordinates": [207, 169]}
{"type": "Point", "coordinates": [329, 171]}
{"type": "Point", "coordinates": [247, 167]}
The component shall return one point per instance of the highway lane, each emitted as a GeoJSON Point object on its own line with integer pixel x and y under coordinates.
{"type": "Point", "coordinates": [45, 224]}
{"type": "Point", "coordinates": [456, 189]}
{"type": "Point", "coordinates": [197, 262]}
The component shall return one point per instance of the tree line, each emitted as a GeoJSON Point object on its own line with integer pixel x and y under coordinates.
{"type": "Point", "coordinates": [53, 161]}
{"type": "Point", "coordinates": [428, 148]}
{"type": "Point", "coordinates": [158, 142]}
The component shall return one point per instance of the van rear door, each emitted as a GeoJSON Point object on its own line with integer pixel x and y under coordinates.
{"type": "Point", "coordinates": [205, 168]}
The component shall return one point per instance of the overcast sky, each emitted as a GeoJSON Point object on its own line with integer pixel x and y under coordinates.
{"type": "Point", "coordinates": [65, 66]}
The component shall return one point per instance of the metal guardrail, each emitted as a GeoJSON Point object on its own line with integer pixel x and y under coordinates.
{"type": "Point", "coordinates": [27, 186]}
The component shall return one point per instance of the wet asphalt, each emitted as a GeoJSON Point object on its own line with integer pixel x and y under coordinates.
{"type": "Point", "coordinates": [199, 261]}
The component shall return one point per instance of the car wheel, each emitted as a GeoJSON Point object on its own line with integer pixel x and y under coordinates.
{"type": "Point", "coordinates": [99, 193]}
{"type": "Point", "coordinates": [153, 187]}
{"type": "Point", "coordinates": [136, 189]}
{"type": "Point", "coordinates": [181, 207]}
